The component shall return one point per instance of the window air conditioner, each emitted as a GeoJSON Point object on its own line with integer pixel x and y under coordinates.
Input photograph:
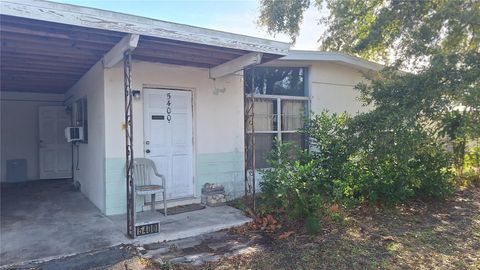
{"type": "Point", "coordinates": [74, 134]}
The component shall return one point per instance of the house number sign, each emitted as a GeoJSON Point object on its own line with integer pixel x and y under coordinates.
{"type": "Point", "coordinates": [169, 108]}
{"type": "Point", "coordinates": [147, 229]}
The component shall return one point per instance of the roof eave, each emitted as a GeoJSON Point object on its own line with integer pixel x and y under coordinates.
{"type": "Point", "coordinates": [113, 21]}
{"type": "Point", "coordinates": [331, 57]}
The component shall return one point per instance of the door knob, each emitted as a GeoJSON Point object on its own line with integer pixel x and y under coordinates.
{"type": "Point", "coordinates": [148, 151]}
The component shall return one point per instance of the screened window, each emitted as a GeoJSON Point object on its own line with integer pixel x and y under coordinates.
{"type": "Point", "coordinates": [81, 117]}
{"type": "Point", "coordinates": [281, 105]}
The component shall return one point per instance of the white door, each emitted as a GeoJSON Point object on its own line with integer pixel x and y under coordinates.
{"type": "Point", "coordinates": [55, 154]}
{"type": "Point", "coordinates": [168, 138]}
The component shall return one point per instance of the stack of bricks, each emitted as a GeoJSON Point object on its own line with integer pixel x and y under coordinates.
{"type": "Point", "coordinates": [213, 195]}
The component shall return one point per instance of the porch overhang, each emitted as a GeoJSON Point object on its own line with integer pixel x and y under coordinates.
{"type": "Point", "coordinates": [237, 64]}
{"type": "Point", "coordinates": [47, 47]}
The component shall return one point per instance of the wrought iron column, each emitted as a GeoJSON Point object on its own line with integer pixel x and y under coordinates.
{"type": "Point", "coordinates": [127, 78]}
{"type": "Point", "coordinates": [249, 128]}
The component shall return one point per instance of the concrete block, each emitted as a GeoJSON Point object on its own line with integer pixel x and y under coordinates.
{"type": "Point", "coordinates": [213, 195]}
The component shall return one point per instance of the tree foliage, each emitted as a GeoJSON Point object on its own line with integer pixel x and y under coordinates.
{"type": "Point", "coordinates": [436, 41]}
{"type": "Point", "coordinates": [378, 28]}
{"type": "Point", "coordinates": [283, 16]}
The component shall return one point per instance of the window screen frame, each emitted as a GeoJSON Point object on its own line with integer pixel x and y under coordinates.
{"type": "Point", "coordinates": [81, 118]}
{"type": "Point", "coordinates": [279, 98]}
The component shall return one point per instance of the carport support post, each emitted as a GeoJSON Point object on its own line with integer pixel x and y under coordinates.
{"type": "Point", "coordinates": [249, 135]}
{"type": "Point", "coordinates": [127, 78]}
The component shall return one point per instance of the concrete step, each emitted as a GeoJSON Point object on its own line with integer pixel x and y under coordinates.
{"type": "Point", "coordinates": [204, 248]}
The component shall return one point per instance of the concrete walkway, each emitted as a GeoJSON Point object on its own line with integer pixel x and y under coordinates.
{"type": "Point", "coordinates": [173, 227]}
{"type": "Point", "coordinates": [42, 219]}
{"type": "Point", "coordinates": [47, 219]}
{"type": "Point", "coordinates": [195, 251]}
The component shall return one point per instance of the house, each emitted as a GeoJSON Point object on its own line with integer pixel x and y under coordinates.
{"type": "Point", "coordinates": [65, 65]}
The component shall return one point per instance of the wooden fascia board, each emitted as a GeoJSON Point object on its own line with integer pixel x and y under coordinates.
{"type": "Point", "coordinates": [330, 57]}
{"type": "Point", "coordinates": [115, 55]}
{"type": "Point", "coordinates": [113, 21]}
{"type": "Point", "coordinates": [235, 65]}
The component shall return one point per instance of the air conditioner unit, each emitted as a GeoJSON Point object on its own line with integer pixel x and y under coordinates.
{"type": "Point", "coordinates": [74, 134]}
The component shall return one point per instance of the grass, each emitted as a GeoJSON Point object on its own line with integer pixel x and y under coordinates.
{"type": "Point", "coordinates": [418, 235]}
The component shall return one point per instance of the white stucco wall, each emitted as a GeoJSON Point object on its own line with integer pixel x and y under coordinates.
{"type": "Point", "coordinates": [19, 128]}
{"type": "Point", "coordinates": [217, 117]}
{"type": "Point", "coordinates": [215, 102]}
{"type": "Point", "coordinates": [91, 169]}
{"type": "Point", "coordinates": [330, 85]}
{"type": "Point", "coordinates": [332, 88]}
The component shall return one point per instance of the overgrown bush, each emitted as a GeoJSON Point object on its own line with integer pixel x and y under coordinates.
{"type": "Point", "coordinates": [412, 166]}
{"type": "Point", "coordinates": [330, 145]}
{"type": "Point", "coordinates": [301, 182]}
{"type": "Point", "coordinates": [471, 171]}
{"type": "Point", "coordinates": [392, 162]}
{"type": "Point", "coordinates": [293, 184]}
{"type": "Point", "coordinates": [352, 161]}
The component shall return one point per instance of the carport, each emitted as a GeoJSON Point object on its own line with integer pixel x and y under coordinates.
{"type": "Point", "coordinates": [48, 218]}
{"type": "Point", "coordinates": [42, 213]}
{"type": "Point", "coordinates": [46, 48]}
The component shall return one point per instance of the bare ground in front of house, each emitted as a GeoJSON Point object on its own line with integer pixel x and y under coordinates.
{"type": "Point", "coordinates": [418, 235]}
{"type": "Point", "coordinates": [433, 235]}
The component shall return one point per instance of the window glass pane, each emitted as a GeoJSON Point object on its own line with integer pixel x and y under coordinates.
{"type": "Point", "coordinates": [85, 120]}
{"type": "Point", "coordinates": [288, 81]}
{"type": "Point", "coordinates": [264, 143]}
{"type": "Point", "coordinates": [297, 138]}
{"type": "Point", "coordinates": [265, 117]}
{"type": "Point", "coordinates": [79, 112]}
{"type": "Point", "coordinates": [293, 114]}
{"type": "Point", "coordinates": [81, 117]}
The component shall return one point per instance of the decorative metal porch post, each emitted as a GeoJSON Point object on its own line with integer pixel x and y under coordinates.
{"type": "Point", "coordinates": [250, 142]}
{"type": "Point", "coordinates": [127, 78]}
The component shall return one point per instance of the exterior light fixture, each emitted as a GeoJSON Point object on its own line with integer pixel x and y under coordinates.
{"type": "Point", "coordinates": [136, 94]}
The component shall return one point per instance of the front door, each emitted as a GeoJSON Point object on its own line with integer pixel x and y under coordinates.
{"type": "Point", "coordinates": [168, 138]}
{"type": "Point", "coordinates": [55, 153]}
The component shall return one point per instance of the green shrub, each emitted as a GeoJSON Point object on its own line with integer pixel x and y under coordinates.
{"type": "Point", "coordinates": [472, 159]}
{"type": "Point", "coordinates": [392, 163]}
{"type": "Point", "coordinates": [331, 147]}
{"type": "Point", "coordinates": [312, 225]}
{"type": "Point", "coordinates": [471, 171]}
{"type": "Point", "coordinates": [291, 184]}
{"type": "Point", "coordinates": [396, 177]}
{"type": "Point", "coordinates": [300, 181]}
{"type": "Point", "coordinates": [355, 160]}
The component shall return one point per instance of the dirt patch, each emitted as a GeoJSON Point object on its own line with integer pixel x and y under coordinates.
{"type": "Point", "coordinates": [419, 235]}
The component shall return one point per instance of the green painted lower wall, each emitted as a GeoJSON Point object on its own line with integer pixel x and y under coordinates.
{"type": "Point", "coordinates": [223, 168]}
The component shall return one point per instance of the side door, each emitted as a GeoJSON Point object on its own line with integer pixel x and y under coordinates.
{"type": "Point", "coordinates": [55, 153]}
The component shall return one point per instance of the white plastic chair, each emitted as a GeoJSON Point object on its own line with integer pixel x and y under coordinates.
{"type": "Point", "coordinates": [143, 181]}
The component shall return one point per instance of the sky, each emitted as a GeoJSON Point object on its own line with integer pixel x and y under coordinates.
{"type": "Point", "coordinates": [235, 16]}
